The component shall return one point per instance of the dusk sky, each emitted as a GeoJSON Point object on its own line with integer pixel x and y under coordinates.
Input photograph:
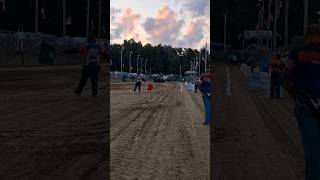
{"type": "Point", "coordinates": [169, 22]}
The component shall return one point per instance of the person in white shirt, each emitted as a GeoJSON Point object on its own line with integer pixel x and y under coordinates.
{"type": "Point", "coordinates": [138, 82]}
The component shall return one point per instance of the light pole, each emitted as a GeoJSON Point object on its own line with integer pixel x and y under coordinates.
{"type": "Point", "coordinates": [274, 47]}
{"type": "Point", "coordinates": [181, 54]}
{"type": "Point", "coordinates": [88, 19]}
{"type": "Point", "coordinates": [199, 61]}
{"type": "Point", "coordinates": [268, 23]}
{"type": "Point", "coordinates": [259, 24]}
{"type": "Point", "coordinates": [141, 65]}
{"type": "Point", "coordinates": [130, 62]}
{"type": "Point", "coordinates": [121, 58]}
{"type": "Point", "coordinates": [225, 32]}
{"type": "Point", "coordinates": [286, 23]}
{"type": "Point", "coordinates": [64, 18]}
{"type": "Point", "coordinates": [99, 28]}
{"type": "Point", "coordinates": [306, 13]}
{"type": "Point", "coordinates": [138, 63]}
{"type": "Point", "coordinates": [145, 65]}
{"type": "Point", "coordinates": [36, 22]}
{"type": "Point", "coordinates": [205, 58]}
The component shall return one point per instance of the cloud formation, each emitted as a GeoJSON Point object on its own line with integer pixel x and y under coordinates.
{"type": "Point", "coordinates": [195, 32]}
{"type": "Point", "coordinates": [197, 7]}
{"type": "Point", "coordinates": [113, 13]}
{"type": "Point", "coordinates": [164, 27]}
{"type": "Point", "coordinates": [125, 23]}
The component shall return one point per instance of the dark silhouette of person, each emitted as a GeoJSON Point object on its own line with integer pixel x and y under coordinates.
{"type": "Point", "coordinates": [91, 65]}
{"type": "Point", "coordinates": [138, 83]}
{"type": "Point", "coordinates": [303, 84]}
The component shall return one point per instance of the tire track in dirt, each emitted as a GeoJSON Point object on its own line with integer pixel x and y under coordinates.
{"type": "Point", "coordinates": [285, 143]}
{"type": "Point", "coordinates": [49, 132]}
{"type": "Point", "coordinates": [138, 151]}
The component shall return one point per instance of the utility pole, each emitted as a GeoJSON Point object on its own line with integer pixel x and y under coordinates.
{"type": "Point", "coordinates": [145, 66]}
{"type": "Point", "coordinates": [138, 63]}
{"type": "Point", "coordinates": [200, 62]}
{"type": "Point", "coordinates": [88, 20]}
{"type": "Point", "coordinates": [36, 21]}
{"type": "Point", "coordinates": [286, 24]}
{"type": "Point", "coordinates": [64, 18]}
{"type": "Point", "coordinates": [259, 27]}
{"type": "Point", "coordinates": [141, 64]}
{"type": "Point", "coordinates": [130, 62]}
{"type": "Point", "coordinates": [262, 21]}
{"type": "Point", "coordinates": [275, 25]}
{"type": "Point", "coordinates": [306, 12]}
{"type": "Point", "coordinates": [225, 32]}
{"type": "Point", "coordinates": [205, 59]}
{"type": "Point", "coordinates": [99, 28]}
{"type": "Point", "coordinates": [268, 22]}
{"type": "Point", "coordinates": [121, 59]}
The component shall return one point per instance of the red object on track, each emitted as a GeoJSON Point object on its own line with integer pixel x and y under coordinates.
{"type": "Point", "coordinates": [150, 87]}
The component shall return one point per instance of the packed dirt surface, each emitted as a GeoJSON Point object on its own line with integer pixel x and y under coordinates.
{"type": "Point", "coordinates": [48, 132]}
{"type": "Point", "coordinates": [255, 137]}
{"type": "Point", "coordinates": [158, 135]}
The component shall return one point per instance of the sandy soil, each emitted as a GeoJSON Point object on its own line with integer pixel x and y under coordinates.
{"type": "Point", "coordinates": [47, 132]}
{"type": "Point", "coordinates": [158, 135]}
{"type": "Point", "coordinates": [254, 137]}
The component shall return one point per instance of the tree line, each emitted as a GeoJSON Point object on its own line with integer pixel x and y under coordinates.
{"type": "Point", "coordinates": [161, 58]}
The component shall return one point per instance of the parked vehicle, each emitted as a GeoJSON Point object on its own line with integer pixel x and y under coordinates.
{"type": "Point", "coordinates": [158, 78]}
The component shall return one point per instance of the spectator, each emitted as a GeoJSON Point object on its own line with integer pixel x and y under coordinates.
{"type": "Point", "coordinates": [138, 82]}
{"type": "Point", "coordinates": [105, 51]}
{"type": "Point", "coordinates": [205, 89]}
{"type": "Point", "coordinates": [303, 84]}
{"type": "Point", "coordinates": [276, 67]}
{"type": "Point", "coordinates": [20, 39]}
{"type": "Point", "coordinates": [91, 65]}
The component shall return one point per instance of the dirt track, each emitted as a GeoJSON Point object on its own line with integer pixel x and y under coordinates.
{"type": "Point", "coordinates": [47, 132]}
{"type": "Point", "coordinates": [254, 137]}
{"type": "Point", "coordinates": [158, 135]}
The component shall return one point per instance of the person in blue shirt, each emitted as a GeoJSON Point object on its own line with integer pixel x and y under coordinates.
{"type": "Point", "coordinates": [205, 89]}
{"type": "Point", "coordinates": [303, 84]}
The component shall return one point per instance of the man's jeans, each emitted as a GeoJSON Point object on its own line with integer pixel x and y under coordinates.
{"type": "Point", "coordinates": [310, 136]}
{"type": "Point", "coordinates": [207, 108]}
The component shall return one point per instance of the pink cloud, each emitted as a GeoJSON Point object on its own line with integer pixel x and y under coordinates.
{"type": "Point", "coordinates": [195, 32]}
{"type": "Point", "coordinates": [125, 23]}
{"type": "Point", "coordinates": [164, 27]}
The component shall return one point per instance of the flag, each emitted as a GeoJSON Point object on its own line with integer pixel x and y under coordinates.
{"type": "Point", "coordinates": [43, 13]}
{"type": "Point", "coordinates": [239, 37]}
{"type": "Point", "coordinates": [69, 22]}
{"type": "Point", "coordinates": [92, 25]}
{"type": "Point", "coordinates": [278, 10]}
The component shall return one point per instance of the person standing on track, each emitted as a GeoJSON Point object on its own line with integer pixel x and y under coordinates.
{"type": "Point", "coordinates": [20, 39]}
{"type": "Point", "coordinates": [276, 68]}
{"type": "Point", "coordinates": [205, 89]}
{"type": "Point", "coordinates": [138, 83]}
{"type": "Point", "coordinates": [91, 65]}
{"type": "Point", "coordinates": [303, 84]}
